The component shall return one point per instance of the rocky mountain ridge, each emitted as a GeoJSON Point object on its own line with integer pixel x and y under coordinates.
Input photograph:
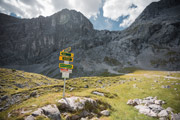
{"type": "Point", "coordinates": [151, 42]}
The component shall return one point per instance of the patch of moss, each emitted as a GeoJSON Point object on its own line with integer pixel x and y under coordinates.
{"type": "Point", "coordinates": [41, 118]}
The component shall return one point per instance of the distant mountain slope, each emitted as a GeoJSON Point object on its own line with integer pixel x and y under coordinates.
{"type": "Point", "coordinates": [151, 42]}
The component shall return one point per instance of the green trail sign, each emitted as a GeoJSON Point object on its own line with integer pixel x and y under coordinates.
{"type": "Point", "coordinates": [63, 58]}
{"type": "Point", "coordinates": [68, 66]}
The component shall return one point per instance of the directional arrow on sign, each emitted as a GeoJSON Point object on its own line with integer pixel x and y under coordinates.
{"type": "Point", "coordinates": [68, 66]}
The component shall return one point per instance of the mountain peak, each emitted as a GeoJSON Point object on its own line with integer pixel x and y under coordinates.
{"type": "Point", "coordinates": [72, 18]}
{"type": "Point", "coordinates": [157, 8]}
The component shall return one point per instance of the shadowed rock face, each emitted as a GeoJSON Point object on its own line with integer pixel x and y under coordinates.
{"type": "Point", "coordinates": [151, 42]}
{"type": "Point", "coordinates": [25, 41]}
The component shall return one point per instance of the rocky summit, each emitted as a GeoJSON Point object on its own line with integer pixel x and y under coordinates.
{"type": "Point", "coordinates": [151, 42]}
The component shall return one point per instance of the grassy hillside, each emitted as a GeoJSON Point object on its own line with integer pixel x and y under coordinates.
{"type": "Point", "coordinates": [118, 90]}
{"type": "Point", "coordinates": [13, 81]}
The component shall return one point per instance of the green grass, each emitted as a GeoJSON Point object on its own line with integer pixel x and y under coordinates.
{"type": "Point", "coordinates": [14, 81]}
{"type": "Point", "coordinates": [128, 70]}
{"type": "Point", "coordinates": [116, 93]}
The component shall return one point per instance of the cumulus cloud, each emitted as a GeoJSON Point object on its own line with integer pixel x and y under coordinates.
{"type": "Point", "coordinates": [34, 8]}
{"type": "Point", "coordinates": [129, 10]}
{"type": "Point", "coordinates": [132, 8]}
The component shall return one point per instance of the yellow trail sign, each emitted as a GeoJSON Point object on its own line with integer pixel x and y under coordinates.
{"type": "Point", "coordinates": [66, 54]}
{"type": "Point", "coordinates": [63, 58]}
{"type": "Point", "coordinates": [68, 66]}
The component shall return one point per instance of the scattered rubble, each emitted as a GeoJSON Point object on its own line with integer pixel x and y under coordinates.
{"type": "Point", "coordinates": [152, 107]}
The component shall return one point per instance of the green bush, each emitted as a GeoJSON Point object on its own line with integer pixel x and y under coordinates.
{"type": "Point", "coordinates": [13, 70]}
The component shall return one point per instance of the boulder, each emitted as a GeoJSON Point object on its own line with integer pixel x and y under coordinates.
{"type": "Point", "coordinates": [30, 117]}
{"type": "Point", "coordinates": [169, 110]}
{"type": "Point", "coordinates": [163, 113]}
{"type": "Point", "coordinates": [38, 112]}
{"type": "Point", "coordinates": [141, 107]}
{"type": "Point", "coordinates": [86, 86]}
{"type": "Point", "coordinates": [151, 101]}
{"type": "Point", "coordinates": [175, 116]}
{"type": "Point", "coordinates": [94, 118]}
{"type": "Point", "coordinates": [137, 101]}
{"type": "Point", "coordinates": [163, 118]}
{"type": "Point", "coordinates": [98, 93]}
{"type": "Point", "coordinates": [71, 89]}
{"type": "Point", "coordinates": [165, 86]}
{"type": "Point", "coordinates": [152, 114]}
{"type": "Point", "coordinates": [85, 118]}
{"type": "Point", "coordinates": [175, 89]}
{"type": "Point", "coordinates": [75, 103]}
{"type": "Point", "coordinates": [155, 108]}
{"type": "Point", "coordinates": [158, 102]}
{"type": "Point", "coordinates": [105, 113]}
{"type": "Point", "coordinates": [155, 81]}
{"type": "Point", "coordinates": [73, 117]}
{"type": "Point", "coordinates": [84, 113]}
{"type": "Point", "coordinates": [52, 112]}
{"type": "Point", "coordinates": [131, 102]}
{"type": "Point", "coordinates": [148, 98]}
{"type": "Point", "coordinates": [144, 110]}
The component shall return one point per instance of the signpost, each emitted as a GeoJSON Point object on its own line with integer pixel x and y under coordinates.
{"type": "Point", "coordinates": [66, 68]}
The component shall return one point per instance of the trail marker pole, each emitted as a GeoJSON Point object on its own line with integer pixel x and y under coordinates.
{"type": "Point", "coordinates": [64, 87]}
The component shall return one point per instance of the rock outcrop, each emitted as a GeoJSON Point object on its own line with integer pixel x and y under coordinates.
{"type": "Point", "coordinates": [151, 42]}
{"type": "Point", "coordinates": [48, 111]}
{"type": "Point", "coordinates": [82, 108]}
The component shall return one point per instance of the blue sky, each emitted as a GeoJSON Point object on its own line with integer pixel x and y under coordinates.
{"type": "Point", "coordinates": [105, 23]}
{"type": "Point", "coordinates": [104, 14]}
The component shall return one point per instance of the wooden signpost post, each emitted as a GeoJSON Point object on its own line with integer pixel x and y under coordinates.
{"type": "Point", "coordinates": [66, 68]}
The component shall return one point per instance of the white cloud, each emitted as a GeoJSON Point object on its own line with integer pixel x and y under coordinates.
{"type": "Point", "coordinates": [115, 8]}
{"type": "Point", "coordinates": [108, 24]}
{"type": "Point", "coordinates": [112, 9]}
{"type": "Point", "coordinates": [34, 8]}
